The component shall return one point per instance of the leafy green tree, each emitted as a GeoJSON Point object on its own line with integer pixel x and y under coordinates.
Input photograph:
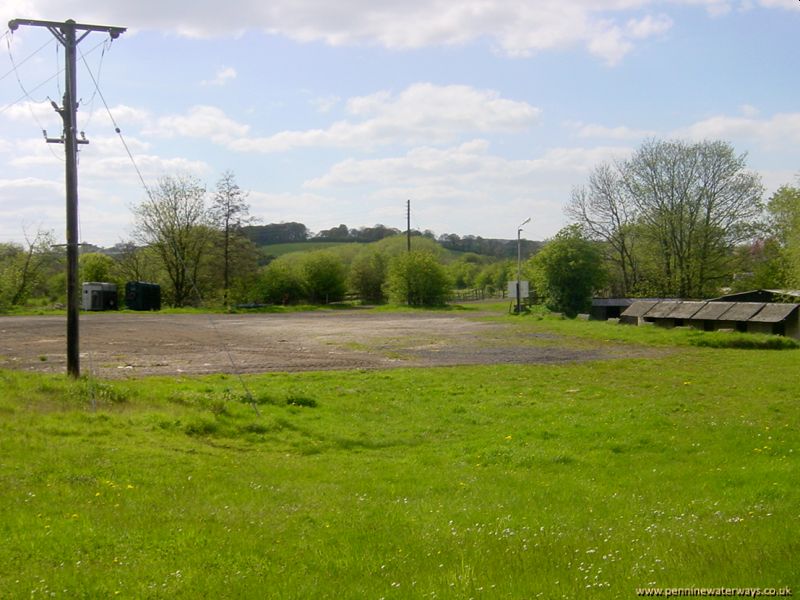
{"type": "Point", "coordinates": [784, 219]}
{"type": "Point", "coordinates": [134, 263]}
{"type": "Point", "coordinates": [281, 282]}
{"type": "Point", "coordinates": [493, 278]}
{"type": "Point", "coordinates": [324, 277]}
{"type": "Point", "coordinates": [23, 269]}
{"type": "Point", "coordinates": [671, 216]}
{"type": "Point", "coordinates": [417, 278]}
{"type": "Point", "coordinates": [368, 274]}
{"type": "Point", "coordinates": [95, 266]}
{"type": "Point", "coordinates": [230, 212]}
{"type": "Point", "coordinates": [567, 271]}
{"type": "Point", "coordinates": [465, 270]}
{"type": "Point", "coordinates": [174, 222]}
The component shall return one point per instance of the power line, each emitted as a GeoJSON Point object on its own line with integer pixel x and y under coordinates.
{"type": "Point", "coordinates": [43, 83]}
{"type": "Point", "coordinates": [24, 60]}
{"type": "Point", "coordinates": [177, 253]}
{"type": "Point", "coordinates": [106, 46]}
{"type": "Point", "coordinates": [116, 127]}
{"type": "Point", "coordinates": [15, 68]}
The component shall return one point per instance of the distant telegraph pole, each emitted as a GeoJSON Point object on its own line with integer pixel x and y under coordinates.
{"type": "Point", "coordinates": [67, 34]}
{"type": "Point", "coordinates": [408, 224]}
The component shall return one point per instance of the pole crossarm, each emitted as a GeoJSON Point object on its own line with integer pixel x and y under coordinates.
{"type": "Point", "coordinates": [57, 27]}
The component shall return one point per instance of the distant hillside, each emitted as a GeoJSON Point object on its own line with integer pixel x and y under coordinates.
{"type": "Point", "coordinates": [282, 238]}
{"type": "Point", "coordinates": [277, 250]}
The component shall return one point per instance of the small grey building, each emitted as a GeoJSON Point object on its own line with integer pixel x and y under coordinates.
{"type": "Point", "coordinates": [98, 295]}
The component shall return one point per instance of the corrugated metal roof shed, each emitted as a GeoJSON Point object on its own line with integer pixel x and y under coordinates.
{"type": "Point", "coordinates": [663, 309]}
{"type": "Point", "coordinates": [639, 308]}
{"type": "Point", "coordinates": [712, 310]}
{"type": "Point", "coordinates": [612, 301]}
{"type": "Point", "coordinates": [774, 313]}
{"type": "Point", "coordinates": [686, 310]}
{"type": "Point", "coordinates": [741, 311]}
{"type": "Point", "coordinates": [760, 295]}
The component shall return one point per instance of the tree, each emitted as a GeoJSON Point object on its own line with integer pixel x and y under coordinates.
{"type": "Point", "coordinates": [784, 220]}
{"type": "Point", "coordinates": [494, 278]}
{"type": "Point", "coordinates": [335, 234]}
{"type": "Point", "coordinates": [567, 272]}
{"type": "Point", "coordinates": [418, 279]}
{"type": "Point", "coordinates": [281, 283]}
{"type": "Point", "coordinates": [368, 276]}
{"type": "Point", "coordinates": [135, 263]}
{"type": "Point", "coordinates": [607, 213]}
{"type": "Point", "coordinates": [324, 278]}
{"type": "Point", "coordinates": [671, 215]}
{"type": "Point", "coordinates": [229, 212]}
{"type": "Point", "coordinates": [95, 266]}
{"type": "Point", "coordinates": [23, 268]}
{"type": "Point", "coordinates": [276, 233]}
{"type": "Point", "coordinates": [175, 223]}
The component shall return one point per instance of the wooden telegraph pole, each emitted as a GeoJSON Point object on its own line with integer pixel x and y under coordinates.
{"type": "Point", "coordinates": [67, 34]}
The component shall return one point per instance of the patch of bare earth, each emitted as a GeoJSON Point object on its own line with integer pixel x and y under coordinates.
{"type": "Point", "coordinates": [135, 345]}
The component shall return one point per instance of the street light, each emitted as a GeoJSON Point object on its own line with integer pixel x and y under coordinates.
{"type": "Point", "coordinates": [519, 260]}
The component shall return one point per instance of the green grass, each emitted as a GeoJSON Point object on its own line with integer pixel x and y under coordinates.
{"type": "Point", "coordinates": [281, 249]}
{"type": "Point", "coordinates": [584, 480]}
{"type": "Point", "coordinates": [541, 321]}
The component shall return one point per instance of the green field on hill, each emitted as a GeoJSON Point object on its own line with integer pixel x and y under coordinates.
{"type": "Point", "coordinates": [581, 480]}
{"type": "Point", "coordinates": [281, 249]}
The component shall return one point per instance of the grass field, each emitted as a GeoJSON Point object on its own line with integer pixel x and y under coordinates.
{"type": "Point", "coordinates": [289, 247]}
{"type": "Point", "coordinates": [584, 480]}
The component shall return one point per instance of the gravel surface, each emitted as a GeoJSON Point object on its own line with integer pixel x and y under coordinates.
{"type": "Point", "coordinates": [115, 345]}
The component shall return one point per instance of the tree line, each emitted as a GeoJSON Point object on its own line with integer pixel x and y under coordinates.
{"type": "Point", "coordinates": [676, 219]}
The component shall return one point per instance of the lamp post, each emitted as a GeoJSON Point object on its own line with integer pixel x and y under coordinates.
{"type": "Point", "coordinates": [519, 261]}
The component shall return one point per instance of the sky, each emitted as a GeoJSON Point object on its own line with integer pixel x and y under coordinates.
{"type": "Point", "coordinates": [482, 113]}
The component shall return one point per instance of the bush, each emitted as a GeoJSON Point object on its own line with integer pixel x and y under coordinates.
{"type": "Point", "coordinates": [368, 276]}
{"type": "Point", "coordinates": [744, 341]}
{"type": "Point", "coordinates": [567, 271]}
{"type": "Point", "coordinates": [324, 278]}
{"type": "Point", "coordinates": [418, 279]}
{"type": "Point", "coordinates": [281, 283]}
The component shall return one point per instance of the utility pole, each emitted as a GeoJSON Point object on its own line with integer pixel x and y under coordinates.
{"type": "Point", "coordinates": [408, 243]}
{"type": "Point", "coordinates": [519, 263]}
{"type": "Point", "coordinates": [408, 224]}
{"type": "Point", "coordinates": [67, 34]}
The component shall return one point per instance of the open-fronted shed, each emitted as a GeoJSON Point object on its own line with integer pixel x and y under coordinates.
{"type": "Point", "coordinates": [737, 316]}
{"type": "Point", "coordinates": [686, 310]}
{"type": "Point", "coordinates": [779, 318]}
{"type": "Point", "coordinates": [712, 311]}
{"type": "Point", "coordinates": [757, 317]}
{"type": "Point", "coordinates": [637, 311]}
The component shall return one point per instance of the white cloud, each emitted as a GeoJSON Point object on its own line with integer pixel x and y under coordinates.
{"type": "Point", "coordinates": [421, 113]}
{"type": "Point", "coordinates": [622, 132]}
{"type": "Point", "coordinates": [28, 204]}
{"type": "Point", "coordinates": [41, 113]}
{"type": "Point", "coordinates": [464, 166]}
{"type": "Point", "coordinates": [517, 28]}
{"type": "Point", "coordinates": [778, 131]}
{"type": "Point", "coordinates": [208, 122]}
{"type": "Point", "coordinates": [325, 104]}
{"type": "Point", "coordinates": [472, 176]}
{"type": "Point", "coordinates": [223, 76]}
{"type": "Point", "coordinates": [607, 28]}
{"type": "Point", "coordinates": [648, 26]}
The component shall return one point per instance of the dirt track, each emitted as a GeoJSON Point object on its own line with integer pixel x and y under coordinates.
{"type": "Point", "coordinates": [134, 345]}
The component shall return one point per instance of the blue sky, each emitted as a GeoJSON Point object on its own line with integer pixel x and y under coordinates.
{"type": "Point", "coordinates": [482, 113]}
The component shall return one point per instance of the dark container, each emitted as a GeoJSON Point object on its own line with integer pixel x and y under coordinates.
{"type": "Point", "coordinates": [140, 295]}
